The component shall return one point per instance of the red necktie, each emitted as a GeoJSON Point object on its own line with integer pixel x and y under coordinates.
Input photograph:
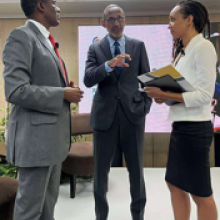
{"type": "Point", "coordinates": [58, 55]}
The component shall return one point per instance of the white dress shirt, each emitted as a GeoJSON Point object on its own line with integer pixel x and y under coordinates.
{"type": "Point", "coordinates": [198, 67]}
{"type": "Point", "coordinates": [42, 29]}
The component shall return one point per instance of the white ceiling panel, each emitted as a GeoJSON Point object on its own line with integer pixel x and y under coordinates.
{"type": "Point", "coordinates": [94, 8]}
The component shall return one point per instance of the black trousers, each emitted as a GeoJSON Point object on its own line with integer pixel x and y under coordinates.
{"type": "Point", "coordinates": [131, 139]}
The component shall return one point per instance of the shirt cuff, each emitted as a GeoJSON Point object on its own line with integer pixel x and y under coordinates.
{"type": "Point", "coordinates": [187, 99]}
{"type": "Point", "coordinates": [107, 68]}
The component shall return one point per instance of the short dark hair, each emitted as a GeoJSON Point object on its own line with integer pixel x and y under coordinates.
{"type": "Point", "coordinates": [201, 20]}
{"type": "Point", "coordinates": [108, 7]}
{"type": "Point", "coordinates": [28, 6]}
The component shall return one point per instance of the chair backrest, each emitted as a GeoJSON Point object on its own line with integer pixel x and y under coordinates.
{"type": "Point", "coordinates": [80, 124]}
{"type": "Point", "coordinates": [2, 149]}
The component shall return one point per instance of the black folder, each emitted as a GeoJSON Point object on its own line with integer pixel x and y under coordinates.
{"type": "Point", "coordinates": [165, 83]}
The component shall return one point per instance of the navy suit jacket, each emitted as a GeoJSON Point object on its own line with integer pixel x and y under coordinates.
{"type": "Point", "coordinates": [135, 104]}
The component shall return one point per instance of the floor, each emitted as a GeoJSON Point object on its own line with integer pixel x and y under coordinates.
{"type": "Point", "coordinates": [158, 205]}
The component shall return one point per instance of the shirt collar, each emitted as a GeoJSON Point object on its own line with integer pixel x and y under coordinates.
{"type": "Point", "coordinates": [121, 41]}
{"type": "Point", "coordinates": [41, 28]}
{"type": "Point", "coordinates": [193, 41]}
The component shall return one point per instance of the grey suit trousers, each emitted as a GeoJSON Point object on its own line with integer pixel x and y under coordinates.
{"type": "Point", "coordinates": [37, 193]}
{"type": "Point", "coordinates": [130, 138]}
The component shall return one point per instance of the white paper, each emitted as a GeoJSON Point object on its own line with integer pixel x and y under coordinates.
{"type": "Point", "coordinates": [186, 85]}
{"type": "Point", "coordinates": [144, 78]}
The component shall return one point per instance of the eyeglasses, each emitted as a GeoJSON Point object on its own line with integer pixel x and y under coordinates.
{"type": "Point", "coordinates": [112, 20]}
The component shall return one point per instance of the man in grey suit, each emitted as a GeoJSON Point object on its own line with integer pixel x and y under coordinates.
{"type": "Point", "coordinates": [119, 108]}
{"type": "Point", "coordinates": [37, 85]}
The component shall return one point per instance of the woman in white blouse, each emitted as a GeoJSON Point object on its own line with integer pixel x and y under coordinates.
{"type": "Point", "coordinates": [188, 168]}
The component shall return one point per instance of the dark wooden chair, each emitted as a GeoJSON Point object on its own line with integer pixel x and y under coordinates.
{"type": "Point", "coordinates": [8, 190]}
{"type": "Point", "coordinates": [80, 159]}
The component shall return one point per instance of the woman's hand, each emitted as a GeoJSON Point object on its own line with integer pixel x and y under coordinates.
{"type": "Point", "coordinates": [154, 92]}
{"type": "Point", "coordinates": [161, 96]}
{"type": "Point", "coordinates": [160, 100]}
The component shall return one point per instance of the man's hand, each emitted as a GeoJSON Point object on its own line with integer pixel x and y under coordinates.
{"type": "Point", "coordinates": [73, 95]}
{"type": "Point", "coordinates": [73, 85]}
{"type": "Point", "coordinates": [119, 61]}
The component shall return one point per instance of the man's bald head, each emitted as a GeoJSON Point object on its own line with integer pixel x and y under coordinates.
{"type": "Point", "coordinates": [109, 8]}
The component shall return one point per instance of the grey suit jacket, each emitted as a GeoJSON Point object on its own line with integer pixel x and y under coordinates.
{"type": "Point", "coordinates": [39, 124]}
{"type": "Point", "coordinates": [135, 104]}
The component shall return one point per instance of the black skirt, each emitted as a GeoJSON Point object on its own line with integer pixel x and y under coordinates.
{"type": "Point", "coordinates": [188, 166]}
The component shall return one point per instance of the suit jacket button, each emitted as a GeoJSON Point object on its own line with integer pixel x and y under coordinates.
{"type": "Point", "coordinates": [21, 89]}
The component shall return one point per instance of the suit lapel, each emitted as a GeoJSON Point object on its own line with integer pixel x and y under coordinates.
{"type": "Point", "coordinates": [67, 77]}
{"type": "Point", "coordinates": [47, 46]}
{"type": "Point", "coordinates": [105, 47]}
{"type": "Point", "coordinates": [129, 48]}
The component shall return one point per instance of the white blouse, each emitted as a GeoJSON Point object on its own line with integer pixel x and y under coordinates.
{"type": "Point", "coordinates": [198, 67]}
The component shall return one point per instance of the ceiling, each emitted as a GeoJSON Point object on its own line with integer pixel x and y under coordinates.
{"type": "Point", "coordinates": [94, 8]}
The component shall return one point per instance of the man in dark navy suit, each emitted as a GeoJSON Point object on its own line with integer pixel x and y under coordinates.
{"type": "Point", "coordinates": [119, 108]}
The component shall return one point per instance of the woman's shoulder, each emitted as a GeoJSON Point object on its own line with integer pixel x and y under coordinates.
{"type": "Point", "coordinates": [204, 43]}
{"type": "Point", "coordinates": [205, 46]}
